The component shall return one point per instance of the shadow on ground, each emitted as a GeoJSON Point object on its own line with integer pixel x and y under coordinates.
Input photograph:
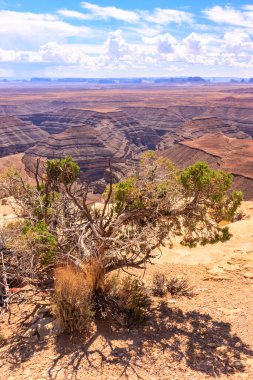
{"type": "Point", "coordinates": [195, 339]}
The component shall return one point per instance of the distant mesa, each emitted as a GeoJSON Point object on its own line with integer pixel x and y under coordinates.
{"type": "Point", "coordinates": [40, 80]}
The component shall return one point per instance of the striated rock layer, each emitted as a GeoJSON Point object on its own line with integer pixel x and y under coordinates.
{"type": "Point", "coordinates": [221, 135]}
{"type": "Point", "coordinates": [94, 141]}
{"type": "Point", "coordinates": [218, 151]}
{"type": "Point", "coordinates": [17, 136]}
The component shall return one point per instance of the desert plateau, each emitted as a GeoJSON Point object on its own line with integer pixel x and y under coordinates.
{"type": "Point", "coordinates": [201, 327]}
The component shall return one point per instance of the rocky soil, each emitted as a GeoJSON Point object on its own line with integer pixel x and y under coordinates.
{"type": "Point", "coordinates": [207, 336]}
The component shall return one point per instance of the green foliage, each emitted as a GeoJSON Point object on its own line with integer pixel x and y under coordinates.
{"type": "Point", "coordinates": [63, 170]}
{"type": "Point", "coordinates": [234, 201]}
{"type": "Point", "coordinates": [44, 243]}
{"type": "Point", "coordinates": [152, 182]}
{"type": "Point", "coordinates": [125, 191]}
{"type": "Point", "coordinates": [200, 178]}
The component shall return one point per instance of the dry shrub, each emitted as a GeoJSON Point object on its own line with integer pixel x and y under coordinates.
{"type": "Point", "coordinates": [73, 299]}
{"type": "Point", "coordinates": [124, 300]}
{"type": "Point", "coordinates": [176, 286]}
{"type": "Point", "coordinates": [159, 284]}
{"type": "Point", "coordinates": [179, 287]}
{"type": "Point", "coordinates": [240, 215]}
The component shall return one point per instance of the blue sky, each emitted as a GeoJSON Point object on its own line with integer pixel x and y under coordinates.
{"type": "Point", "coordinates": [114, 38]}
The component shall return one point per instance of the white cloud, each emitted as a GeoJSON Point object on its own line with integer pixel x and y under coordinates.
{"type": "Point", "coordinates": [115, 46]}
{"type": "Point", "coordinates": [157, 16]}
{"type": "Point", "coordinates": [29, 30]}
{"type": "Point", "coordinates": [166, 44]}
{"type": "Point", "coordinates": [230, 15]}
{"type": "Point", "coordinates": [74, 14]}
{"type": "Point", "coordinates": [238, 42]}
{"type": "Point", "coordinates": [111, 12]}
{"type": "Point", "coordinates": [234, 49]}
{"type": "Point", "coordinates": [69, 55]}
{"type": "Point", "coordinates": [194, 44]}
{"type": "Point", "coordinates": [44, 40]}
{"type": "Point", "coordinates": [167, 16]}
{"type": "Point", "coordinates": [248, 8]}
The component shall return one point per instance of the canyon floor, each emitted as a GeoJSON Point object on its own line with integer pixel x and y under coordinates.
{"type": "Point", "coordinates": [204, 337]}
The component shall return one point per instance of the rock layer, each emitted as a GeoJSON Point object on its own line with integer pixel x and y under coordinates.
{"type": "Point", "coordinates": [17, 136]}
{"type": "Point", "coordinates": [93, 142]}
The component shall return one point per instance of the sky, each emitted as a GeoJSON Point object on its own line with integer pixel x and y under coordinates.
{"type": "Point", "coordinates": [125, 38]}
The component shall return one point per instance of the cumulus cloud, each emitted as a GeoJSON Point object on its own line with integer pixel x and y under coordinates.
{"type": "Point", "coordinates": [115, 45]}
{"type": "Point", "coordinates": [69, 55]}
{"type": "Point", "coordinates": [238, 42]}
{"type": "Point", "coordinates": [194, 44]}
{"type": "Point", "coordinates": [143, 41]}
{"type": "Point", "coordinates": [166, 44]}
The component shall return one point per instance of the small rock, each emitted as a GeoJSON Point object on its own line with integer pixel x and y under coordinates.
{"type": "Point", "coordinates": [238, 364]}
{"type": "Point", "coordinates": [229, 312]}
{"type": "Point", "coordinates": [45, 327]}
{"type": "Point", "coordinates": [33, 339]}
{"type": "Point", "coordinates": [30, 332]}
{"type": "Point", "coordinates": [248, 275]}
{"type": "Point", "coordinates": [45, 310]}
{"type": "Point", "coordinates": [172, 300]}
{"type": "Point", "coordinates": [222, 349]}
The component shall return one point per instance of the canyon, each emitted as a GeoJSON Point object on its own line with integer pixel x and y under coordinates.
{"type": "Point", "coordinates": [96, 124]}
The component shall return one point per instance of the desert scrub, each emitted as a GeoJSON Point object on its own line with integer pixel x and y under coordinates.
{"type": "Point", "coordinates": [176, 286]}
{"type": "Point", "coordinates": [159, 284]}
{"type": "Point", "coordinates": [179, 287]}
{"type": "Point", "coordinates": [72, 301]}
{"type": "Point", "coordinates": [44, 243]}
{"type": "Point", "coordinates": [124, 300]}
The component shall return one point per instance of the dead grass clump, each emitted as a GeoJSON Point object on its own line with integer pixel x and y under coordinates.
{"type": "Point", "coordinates": [159, 284]}
{"type": "Point", "coordinates": [124, 300]}
{"type": "Point", "coordinates": [179, 287]}
{"type": "Point", "coordinates": [176, 286]}
{"type": "Point", "coordinates": [73, 299]}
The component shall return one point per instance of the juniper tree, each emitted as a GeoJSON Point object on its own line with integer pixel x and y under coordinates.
{"type": "Point", "coordinates": [135, 218]}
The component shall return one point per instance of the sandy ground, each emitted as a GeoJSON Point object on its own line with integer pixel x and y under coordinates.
{"type": "Point", "coordinates": [208, 336]}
